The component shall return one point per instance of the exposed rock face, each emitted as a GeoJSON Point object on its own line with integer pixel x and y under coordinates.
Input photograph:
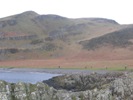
{"type": "Point", "coordinates": [121, 88]}
{"type": "Point", "coordinates": [26, 91]}
{"type": "Point", "coordinates": [82, 82]}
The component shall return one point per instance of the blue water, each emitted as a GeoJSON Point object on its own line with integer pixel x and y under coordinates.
{"type": "Point", "coordinates": [28, 77]}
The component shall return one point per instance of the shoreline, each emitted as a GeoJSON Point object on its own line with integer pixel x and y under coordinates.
{"type": "Point", "coordinates": [56, 71]}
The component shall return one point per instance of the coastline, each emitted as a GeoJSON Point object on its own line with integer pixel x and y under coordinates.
{"type": "Point", "coordinates": [56, 71]}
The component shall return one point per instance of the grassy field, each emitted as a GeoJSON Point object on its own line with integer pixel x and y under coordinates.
{"type": "Point", "coordinates": [70, 64]}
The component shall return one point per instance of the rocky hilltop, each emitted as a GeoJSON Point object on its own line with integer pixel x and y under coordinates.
{"type": "Point", "coordinates": [114, 86]}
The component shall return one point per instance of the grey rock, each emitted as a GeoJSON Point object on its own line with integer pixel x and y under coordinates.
{"type": "Point", "coordinates": [119, 89]}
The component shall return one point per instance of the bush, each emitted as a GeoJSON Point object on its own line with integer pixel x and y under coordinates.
{"type": "Point", "coordinates": [38, 41]}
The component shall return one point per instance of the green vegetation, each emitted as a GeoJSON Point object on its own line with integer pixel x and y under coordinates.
{"type": "Point", "coordinates": [37, 41]}
{"type": "Point", "coordinates": [114, 68]}
{"type": "Point", "coordinates": [73, 98]}
{"type": "Point", "coordinates": [81, 96]}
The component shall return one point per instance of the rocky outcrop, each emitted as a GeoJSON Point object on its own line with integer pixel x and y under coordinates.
{"type": "Point", "coordinates": [121, 88]}
{"type": "Point", "coordinates": [38, 91]}
{"type": "Point", "coordinates": [103, 20]}
{"type": "Point", "coordinates": [78, 82]}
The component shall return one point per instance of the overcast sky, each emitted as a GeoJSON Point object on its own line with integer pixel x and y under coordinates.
{"type": "Point", "coordinates": [119, 10]}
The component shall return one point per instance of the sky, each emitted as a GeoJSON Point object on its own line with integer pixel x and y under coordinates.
{"type": "Point", "coordinates": [119, 10]}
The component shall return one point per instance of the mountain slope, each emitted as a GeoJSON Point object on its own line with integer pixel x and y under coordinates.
{"type": "Point", "coordinates": [121, 38]}
{"type": "Point", "coordinates": [32, 36]}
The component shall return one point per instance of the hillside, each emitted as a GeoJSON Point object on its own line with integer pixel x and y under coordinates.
{"type": "Point", "coordinates": [121, 38]}
{"type": "Point", "coordinates": [32, 36]}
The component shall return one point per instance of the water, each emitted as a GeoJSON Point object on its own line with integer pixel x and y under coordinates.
{"type": "Point", "coordinates": [28, 77]}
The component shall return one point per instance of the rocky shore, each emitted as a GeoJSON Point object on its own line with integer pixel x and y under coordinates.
{"type": "Point", "coordinates": [109, 86]}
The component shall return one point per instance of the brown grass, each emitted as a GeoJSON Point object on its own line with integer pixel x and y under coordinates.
{"type": "Point", "coordinates": [99, 59]}
{"type": "Point", "coordinates": [65, 63]}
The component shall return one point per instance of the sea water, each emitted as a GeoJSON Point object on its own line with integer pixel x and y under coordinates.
{"type": "Point", "coordinates": [28, 77]}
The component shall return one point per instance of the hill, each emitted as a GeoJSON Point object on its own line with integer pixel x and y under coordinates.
{"type": "Point", "coordinates": [32, 36]}
{"type": "Point", "coordinates": [30, 39]}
